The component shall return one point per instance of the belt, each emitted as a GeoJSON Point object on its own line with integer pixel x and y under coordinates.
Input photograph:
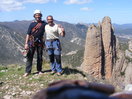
{"type": "Point", "coordinates": [51, 40]}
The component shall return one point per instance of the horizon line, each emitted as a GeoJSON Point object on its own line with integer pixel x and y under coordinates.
{"type": "Point", "coordinates": [67, 22]}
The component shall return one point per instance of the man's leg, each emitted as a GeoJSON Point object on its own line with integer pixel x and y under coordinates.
{"type": "Point", "coordinates": [39, 58]}
{"type": "Point", "coordinates": [52, 61]}
{"type": "Point", "coordinates": [57, 55]}
{"type": "Point", "coordinates": [58, 63]}
{"type": "Point", "coordinates": [29, 60]}
{"type": "Point", "coordinates": [50, 50]}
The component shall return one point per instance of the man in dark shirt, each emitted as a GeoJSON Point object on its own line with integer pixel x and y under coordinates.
{"type": "Point", "coordinates": [34, 41]}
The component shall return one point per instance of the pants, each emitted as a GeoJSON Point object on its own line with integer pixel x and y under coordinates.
{"type": "Point", "coordinates": [54, 51]}
{"type": "Point", "coordinates": [30, 58]}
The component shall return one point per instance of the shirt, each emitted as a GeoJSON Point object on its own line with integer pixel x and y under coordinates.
{"type": "Point", "coordinates": [41, 31]}
{"type": "Point", "coordinates": [52, 32]}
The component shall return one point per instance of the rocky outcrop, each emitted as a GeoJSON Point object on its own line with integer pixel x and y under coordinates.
{"type": "Point", "coordinates": [109, 44]}
{"type": "Point", "coordinates": [129, 51]}
{"type": "Point", "coordinates": [92, 55]}
{"type": "Point", "coordinates": [130, 45]}
{"type": "Point", "coordinates": [122, 74]}
{"type": "Point", "coordinates": [99, 55]}
{"type": "Point", "coordinates": [128, 71]}
{"type": "Point", "coordinates": [128, 74]}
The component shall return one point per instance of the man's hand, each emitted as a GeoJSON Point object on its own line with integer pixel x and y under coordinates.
{"type": "Point", "coordinates": [62, 29]}
{"type": "Point", "coordinates": [26, 46]}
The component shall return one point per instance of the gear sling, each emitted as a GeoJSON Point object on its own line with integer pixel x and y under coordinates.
{"type": "Point", "coordinates": [32, 41]}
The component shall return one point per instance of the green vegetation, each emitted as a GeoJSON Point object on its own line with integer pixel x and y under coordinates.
{"type": "Point", "coordinates": [129, 59]}
{"type": "Point", "coordinates": [122, 73]}
{"type": "Point", "coordinates": [123, 46]}
{"type": "Point", "coordinates": [117, 58]}
{"type": "Point", "coordinates": [75, 59]}
{"type": "Point", "coordinates": [13, 84]}
{"type": "Point", "coordinates": [3, 67]}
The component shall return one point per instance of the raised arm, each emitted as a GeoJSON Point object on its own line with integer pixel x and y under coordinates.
{"type": "Point", "coordinates": [62, 33]}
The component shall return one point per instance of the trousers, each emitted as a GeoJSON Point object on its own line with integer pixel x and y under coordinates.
{"type": "Point", "coordinates": [54, 51]}
{"type": "Point", "coordinates": [30, 55]}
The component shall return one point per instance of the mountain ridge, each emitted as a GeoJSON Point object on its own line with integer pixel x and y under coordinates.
{"type": "Point", "coordinates": [75, 35]}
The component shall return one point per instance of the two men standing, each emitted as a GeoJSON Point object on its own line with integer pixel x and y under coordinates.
{"type": "Point", "coordinates": [35, 42]}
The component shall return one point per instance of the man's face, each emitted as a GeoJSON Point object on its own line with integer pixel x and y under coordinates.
{"type": "Point", "coordinates": [50, 20]}
{"type": "Point", "coordinates": [37, 17]}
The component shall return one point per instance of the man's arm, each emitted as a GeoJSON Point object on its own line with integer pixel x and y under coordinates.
{"type": "Point", "coordinates": [27, 36]}
{"type": "Point", "coordinates": [26, 42]}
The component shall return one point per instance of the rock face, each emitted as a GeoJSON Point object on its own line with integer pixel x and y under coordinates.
{"type": "Point", "coordinates": [128, 52]}
{"type": "Point", "coordinates": [129, 67]}
{"type": "Point", "coordinates": [128, 74]}
{"type": "Point", "coordinates": [108, 40]}
{"type": "Point", "coordinates": [122, 72]}
{"type": "Point", "coordinates": [92, 56]}
{"type": "Point", "coordinates": [99, 55]}
{"type": "Point", "coordinates": [130, 45]}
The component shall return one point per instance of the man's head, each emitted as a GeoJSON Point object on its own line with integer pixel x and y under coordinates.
{"type": "Point", "coordinates": [37, 15]}
{"type": "Point", "coordinates": [50, 19]}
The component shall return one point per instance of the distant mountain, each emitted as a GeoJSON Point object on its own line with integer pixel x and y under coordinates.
{"type": "Point", "coordinates": [125, 29]}
{"type": "Point", "coordinates": [123, 26]}
{"type": "Point", "coordinates": [74, 40]}
{"type": "Point", "coordinates": [75, 33]}
{"type": "Point", "coordinates": [18, 26]}
{"type": "Point", "coordinates": [11, 43]}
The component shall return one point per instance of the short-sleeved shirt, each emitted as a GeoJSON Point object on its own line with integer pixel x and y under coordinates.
{"type": "Point", "coordinates": [52, 32]}
{"type": "Point", "coordinates": [41, 31]}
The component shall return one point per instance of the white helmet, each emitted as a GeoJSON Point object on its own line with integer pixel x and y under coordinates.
{"type": "Point", "coordinates": [37, 11]}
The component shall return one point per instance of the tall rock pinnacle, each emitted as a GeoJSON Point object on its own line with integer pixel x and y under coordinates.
{"type": "Point", "coordinates": [108, 40]}
{"type": "Point", "coordinates": [92, 54]}
{"type": "Point", "coordinates": [99, 55]}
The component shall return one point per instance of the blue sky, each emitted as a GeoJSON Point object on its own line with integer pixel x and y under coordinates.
{"type": "Point", "coordinates": [72, 11]}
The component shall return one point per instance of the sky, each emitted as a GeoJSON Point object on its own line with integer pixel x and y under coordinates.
{"type": "Point", "coordinates": [72, 11]}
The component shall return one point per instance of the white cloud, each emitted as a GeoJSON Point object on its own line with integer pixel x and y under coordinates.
{"type": "Point", "coordinates": [11, 5]}
{"type": "Point", "coordinates": [77, 1]}
{"type": "Point", "coordinates": [38, 1]}
{"type": "Point", "coordinates": [85, 9]}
